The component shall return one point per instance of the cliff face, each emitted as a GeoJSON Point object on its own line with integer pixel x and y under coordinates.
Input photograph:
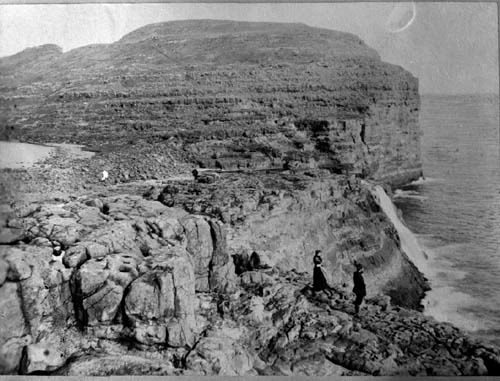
{"type": "Point", "coordinates": [228, 95]}
{"type": "Point", "coordinates": [287, 217]}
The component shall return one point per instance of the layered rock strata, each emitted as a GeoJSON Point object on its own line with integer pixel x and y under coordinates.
{"type": "Point", "coordinates": [226, 94]}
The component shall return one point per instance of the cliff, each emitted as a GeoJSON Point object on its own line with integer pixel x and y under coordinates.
{"type": "Point", "coordinates": [150, 272]}
{"type": "Point", "coordinates": [225, 94]}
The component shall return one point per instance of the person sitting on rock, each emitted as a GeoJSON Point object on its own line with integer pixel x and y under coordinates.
{"type": "Point", "coordinates": [359, 286]}
{"type": "Point", "coordinates": [319, 280]}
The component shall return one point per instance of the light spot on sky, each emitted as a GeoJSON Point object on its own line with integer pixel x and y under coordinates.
{"type": "Point", "coordinates": [401, 17]}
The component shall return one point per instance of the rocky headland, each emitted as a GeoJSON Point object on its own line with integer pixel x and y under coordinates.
{"type": "Point", "coordinates": [150, 271]}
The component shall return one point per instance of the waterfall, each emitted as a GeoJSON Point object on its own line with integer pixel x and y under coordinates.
{"type": "Point", "coordinates": [409, 243]}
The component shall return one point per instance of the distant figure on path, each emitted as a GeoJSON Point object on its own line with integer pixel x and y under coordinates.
{"type": "Point", "coordinates": [104, 175]}
{"type": "Point", "coordinates": [319, 280]}
{"type": "Point", "coordinates": [359, 286]}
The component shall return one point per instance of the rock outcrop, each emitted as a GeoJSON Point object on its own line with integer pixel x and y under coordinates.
{"type": "Point", "coordinates": [122, 285]}
{"type": "Point", "coordinates": [288, 216]}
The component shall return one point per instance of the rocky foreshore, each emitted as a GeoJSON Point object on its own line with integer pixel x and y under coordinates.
{"type": "Point", "coordinates": [112, 281]}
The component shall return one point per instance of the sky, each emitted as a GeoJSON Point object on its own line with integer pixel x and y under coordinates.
{"type": "Point", "coordinates": [451, 47]}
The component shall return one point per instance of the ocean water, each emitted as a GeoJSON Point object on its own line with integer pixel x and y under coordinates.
{"type": "Point", "coordinates": [19, 155]}
{"type": "Point", "coordinates": [455, 211]}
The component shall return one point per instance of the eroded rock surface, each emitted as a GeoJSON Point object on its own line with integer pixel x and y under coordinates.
{"type": "Point", "coordinates": [148, 289]}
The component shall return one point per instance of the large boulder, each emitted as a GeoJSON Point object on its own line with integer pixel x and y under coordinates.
{"type": "Point", "coordinates": [160, 304]}
{"type": "Point", "coordinates": [98, 287]}
{"type": "Point", "coordinates": [35, 301]}
{"type": "Point", "coordinates": [43, 287]}
{"type": "Point", "coordinates": [222, 276]}
{"type": "Point", "coordinates": [201, 247]}
{"type": "Point", "coordinates": [12, 328]}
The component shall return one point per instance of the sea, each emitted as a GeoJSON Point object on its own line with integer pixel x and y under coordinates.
{"type": "Point", "coordinates": [16, 155]}
{"type": "Point", "coordinates": [454, 211]}
{"type": "Point", "coordinates": [21, 155]}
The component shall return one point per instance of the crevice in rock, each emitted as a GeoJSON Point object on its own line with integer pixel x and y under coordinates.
{"type": "Point", "coordinates": [77, 297]}
{"type": "Point", "coordinates": [182, 362]}
{"type": "Point", "coordinates": [362, 133]}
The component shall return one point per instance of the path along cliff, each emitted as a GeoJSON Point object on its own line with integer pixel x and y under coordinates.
{"type": "Point", "coordinates": [148, 273]}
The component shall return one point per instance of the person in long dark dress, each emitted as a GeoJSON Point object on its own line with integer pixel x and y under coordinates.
{"type": "Point", "coordinates": [319, 280]}
{"type": "Point", "coordinates": [359, 286]}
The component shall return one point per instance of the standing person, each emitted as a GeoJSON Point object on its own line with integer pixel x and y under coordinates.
{"type": "Point", "coordinates": [319, 280]}
{"type": "Point", "coordinates": [359, 286]}
{"type": "Point", "coordinates": [195, 173]}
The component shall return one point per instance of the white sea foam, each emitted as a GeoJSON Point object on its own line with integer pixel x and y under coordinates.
{"type": "Point", "coordinates": [423, 180]}
{"type": "Point", "coordinates": [443, 301]}
{"type": "Point", "coordinates": [409, 242]}
{"type": "Point", "coordinates": [399, 193]}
